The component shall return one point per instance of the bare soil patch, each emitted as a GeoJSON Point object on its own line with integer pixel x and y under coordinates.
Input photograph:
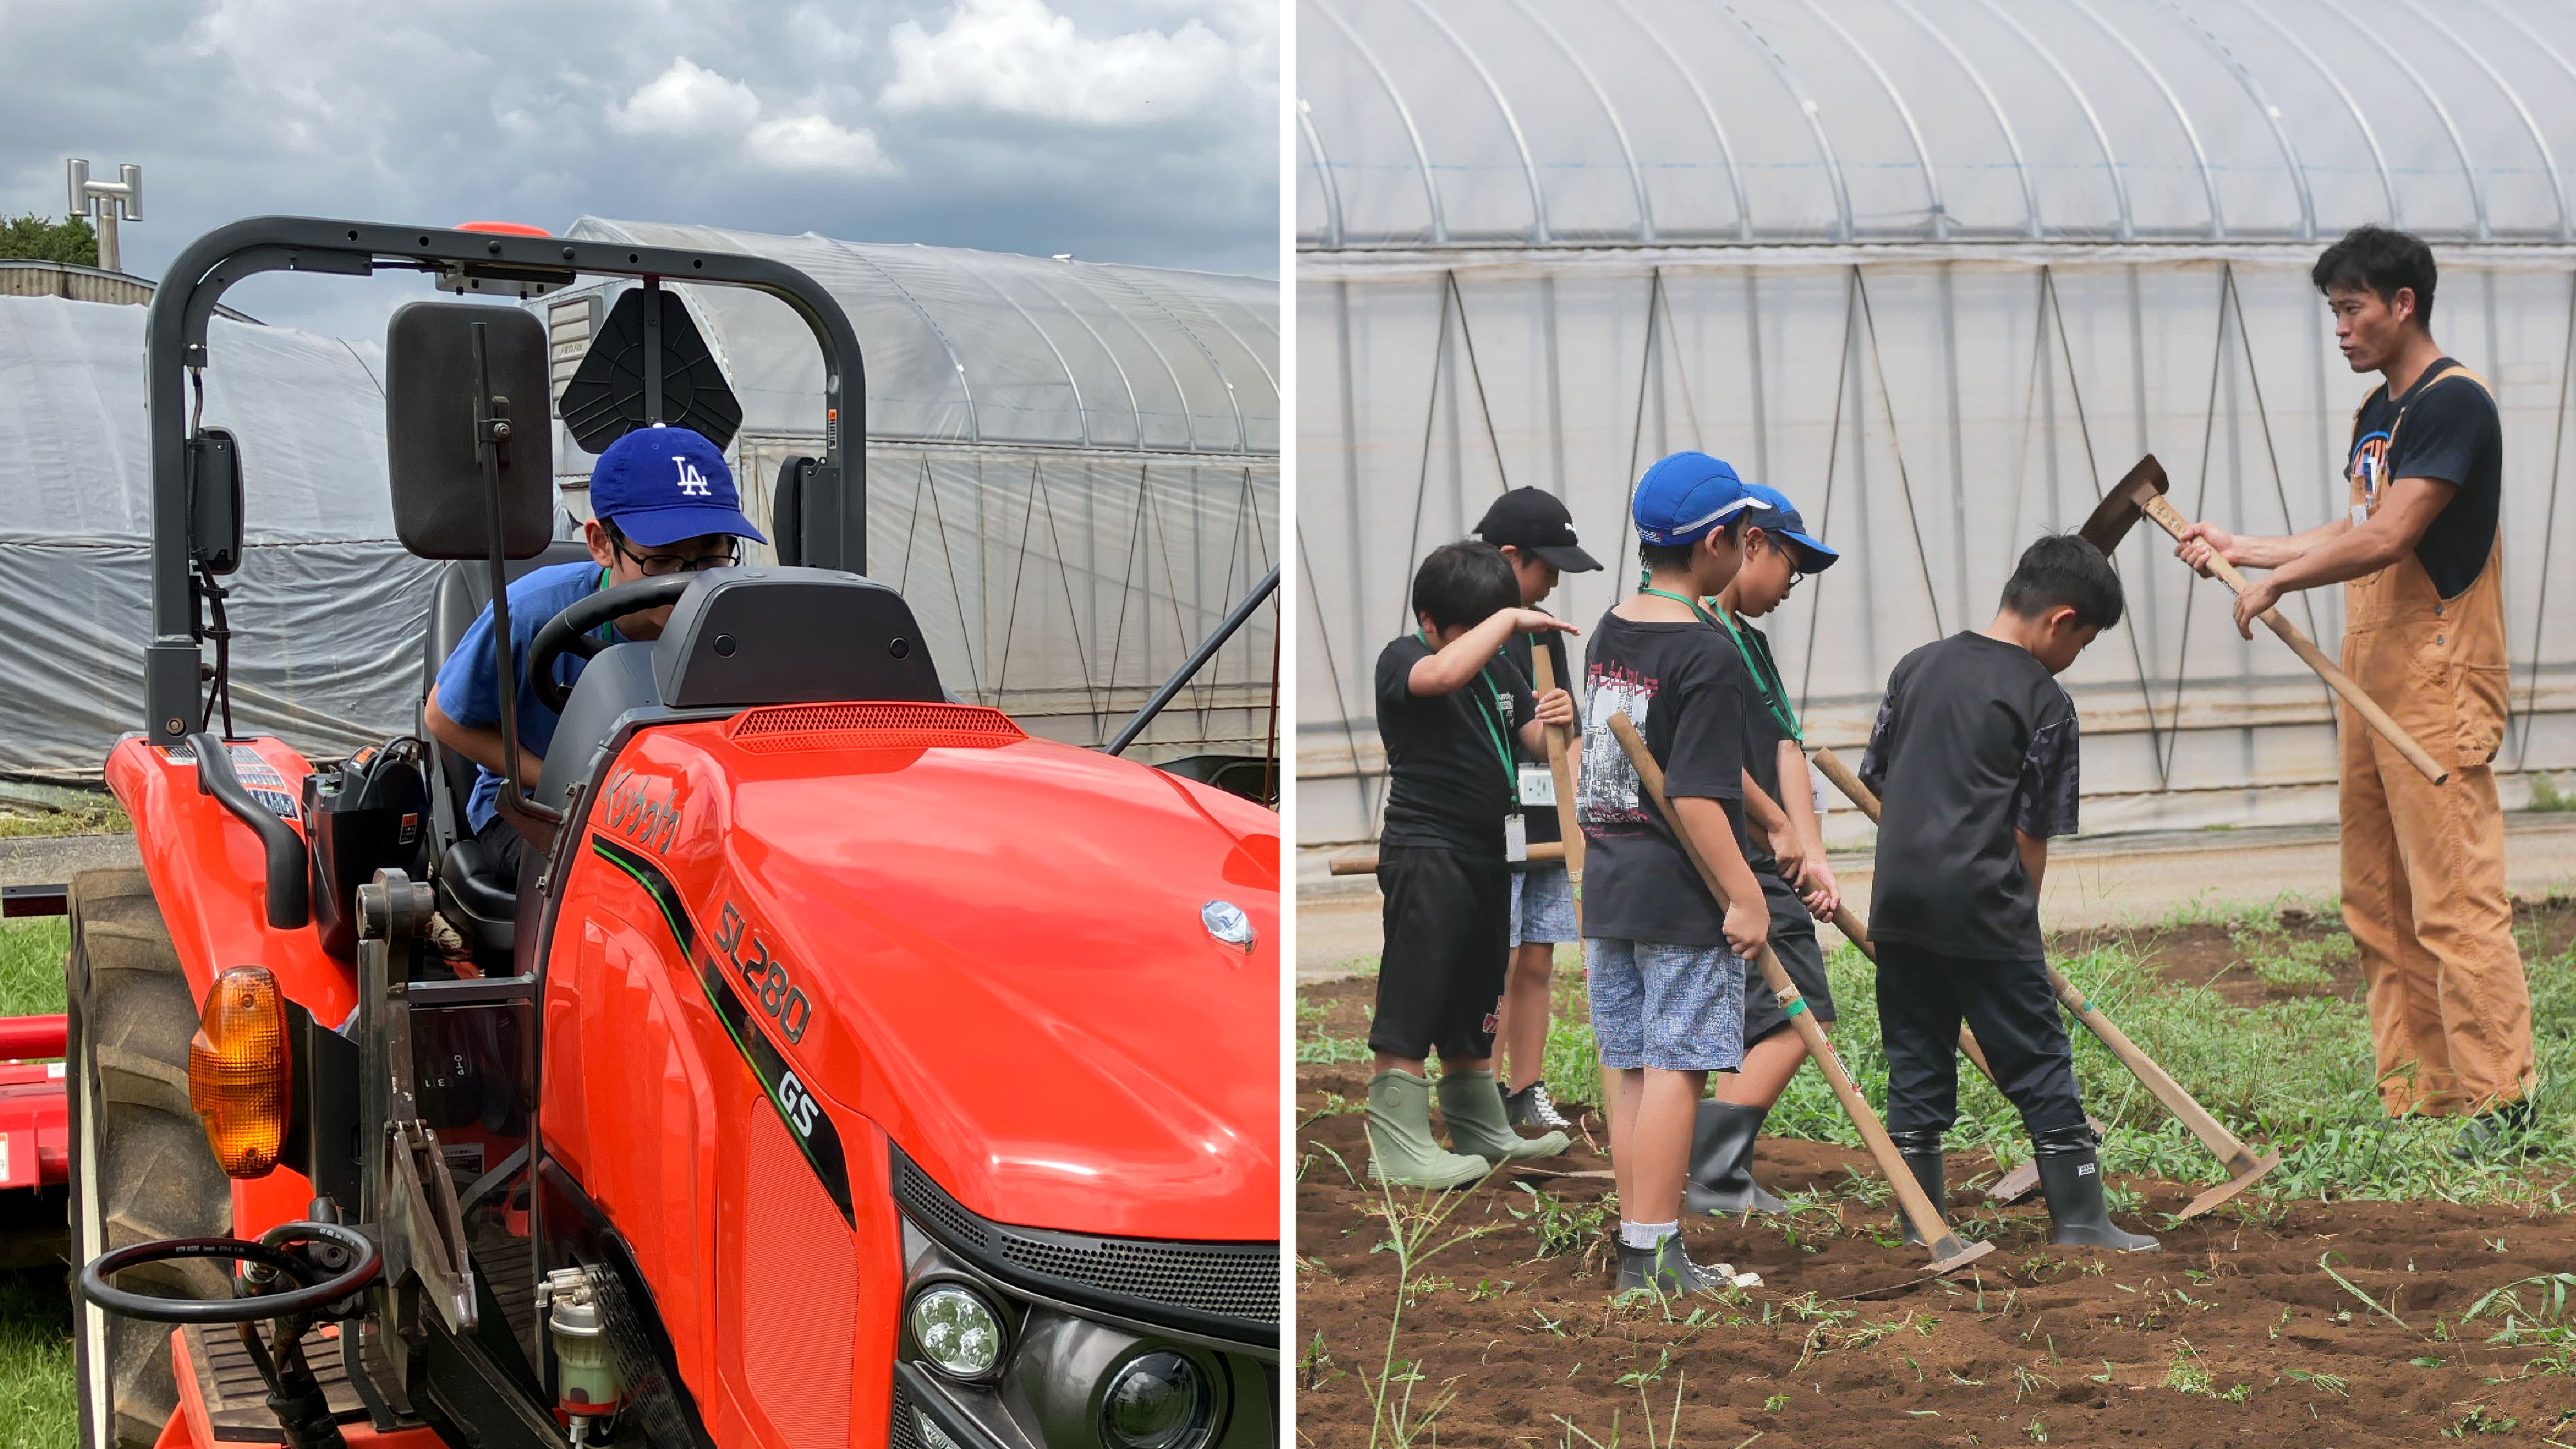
{"type": "Point", "coordinates": [2236, 1334]}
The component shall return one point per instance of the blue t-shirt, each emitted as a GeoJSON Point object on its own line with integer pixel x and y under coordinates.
{"type": "Point", "coordinates": [467, 693]}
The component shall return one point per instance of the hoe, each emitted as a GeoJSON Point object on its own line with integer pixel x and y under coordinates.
{"type": "Point", "coordinates": [844, 1068]}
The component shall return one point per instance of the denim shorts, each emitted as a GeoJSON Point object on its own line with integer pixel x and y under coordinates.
{"type": "Point", "coordinates": [1542, 906]}
{"type": "Point", "coordinates": [1678, 1008]}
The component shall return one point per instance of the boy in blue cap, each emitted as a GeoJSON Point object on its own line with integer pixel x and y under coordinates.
{"type": "Point", "coordinates": [1666, 966]}
{"type": "Point", "coordinates": [1786, 849]}
{"type": "Point", "coordinates": [665, 504]}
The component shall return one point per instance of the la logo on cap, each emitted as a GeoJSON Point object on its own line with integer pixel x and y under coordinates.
{"type": "Point", "coordinates": [692, 482]}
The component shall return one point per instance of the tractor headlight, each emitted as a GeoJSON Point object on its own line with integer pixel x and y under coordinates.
{"type": "Point", "coordinates": [1157, 1400]}
{"type": "Point", "coordinates": [957, 1330]}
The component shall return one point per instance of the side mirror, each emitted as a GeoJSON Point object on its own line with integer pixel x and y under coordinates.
{"type": "Point", "coordinates": [787, 511]}
{"type": "Point", "coordinates": [441, 507]}
{"type": "Point", "coordinates": [215, 501]}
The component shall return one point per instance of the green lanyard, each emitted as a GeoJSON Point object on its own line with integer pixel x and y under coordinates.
{"type": "Point", "coordinates": [1761, 679]}
{"type": "Point", "coordinates": [1491, 716]}
{"type": "Point", "coordinates": [1774, 695]}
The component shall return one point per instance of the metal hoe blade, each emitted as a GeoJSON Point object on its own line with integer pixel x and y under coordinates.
{"type": "Point", "coordinates": [2260, 1168]}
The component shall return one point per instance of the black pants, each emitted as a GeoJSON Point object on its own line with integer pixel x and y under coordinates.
{"type": "Point", "coordinates": [501, 845]}
{"type": "Point", "coordinates": [1923, 995]}
{"type": "Point", "coordinates": [1448, 946]}
{"type": "Point", "coordinates": [1793, 940]}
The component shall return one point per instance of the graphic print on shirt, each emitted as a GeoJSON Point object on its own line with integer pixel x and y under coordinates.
{"type": "Point", "coordinates": [2369, 464]}
{"type": "Point", "coordinates": [1606, 793]}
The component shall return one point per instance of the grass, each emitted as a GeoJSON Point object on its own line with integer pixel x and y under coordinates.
{"type": "Point", "coordinates": [36, 1393]}
{"type": "Point", "coordinates": [105, 818]}
{"type": "Point", "coordinates": [31, 966]}
{"type": "Point", "coordinates": [2316, 1106]}
{"type": "Point", "coordinates": [2547, 798]}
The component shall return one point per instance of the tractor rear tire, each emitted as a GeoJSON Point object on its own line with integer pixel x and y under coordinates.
{"type": "Point", "coordinates": [140, 1166]}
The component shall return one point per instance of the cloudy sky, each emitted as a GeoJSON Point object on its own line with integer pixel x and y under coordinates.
{"type": "Point", "coordinates": [1117, 130]}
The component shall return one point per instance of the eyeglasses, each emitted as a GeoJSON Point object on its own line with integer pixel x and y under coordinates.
{"type": "Point", "coordinates": [664, 565]}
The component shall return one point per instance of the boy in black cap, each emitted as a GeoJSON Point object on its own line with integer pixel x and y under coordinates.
{"type": "Point", "coordinates": [1974, 753]}
{"type": "Point", "coordinates": [1786, 850]}
{"type": "Point", "coordinates": [1665, 965]}
{"type": "Point", "coordinates": [1536, 535]}
{"type": "Point", "coordinates": [1449, 712]}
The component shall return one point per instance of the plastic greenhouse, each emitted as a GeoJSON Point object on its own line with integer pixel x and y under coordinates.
{"type": "Point", "coordinates": [1073, 474]}
{"type": "Point", "coordinates": [1942, 273]}
{"type": "Point", "coordinates": [1073, 467]}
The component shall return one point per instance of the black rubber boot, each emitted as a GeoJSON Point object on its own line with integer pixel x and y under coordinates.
{"type": "Point", "coordinates": [1664, 1269]}
{"type": "Point", "coordinates": [2496, 1132]}
{"type": "Point", "coordinates": [1922, 1153]}
{"type": "Point", "coordinates": [2070, 1177]}
{"type": "Point", "coordinates": [1721, 1168]}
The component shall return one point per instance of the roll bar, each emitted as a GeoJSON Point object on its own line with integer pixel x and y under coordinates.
{"type": "Point", "coordinates": [835, 513]}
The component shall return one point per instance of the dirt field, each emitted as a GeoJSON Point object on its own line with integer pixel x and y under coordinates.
{"type": "Point", "coordinates": [2239, 1333]}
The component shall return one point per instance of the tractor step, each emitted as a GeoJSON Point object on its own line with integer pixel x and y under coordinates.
{"type": "Point", "coordinates": [236, 1399]}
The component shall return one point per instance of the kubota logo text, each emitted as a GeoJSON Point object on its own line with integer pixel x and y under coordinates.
{"type": "Point", "coordinates": [643, 809]}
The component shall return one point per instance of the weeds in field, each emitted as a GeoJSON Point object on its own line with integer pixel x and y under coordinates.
{"type": "Point", "coordinates": [2546, 1322]}
{"type": "Point", "coordinates": [1315, 1364]}
{"type": "Point", "coordinates": [1645, 1415]}
{"type": "Point", "coordinates": [23, 818]}
{"type": "Point", "coordinates": [2547, 798]}
{"type": "Point", "coordinates": [1412, 1227]}
{"type": "Point", "coordinates": [1560, 1227]}
{"type": "Point", "coordinates": [31, 966]}
{"type": "Point", "coordinates": [2187, 1375]}
{"type": "Point", "coordinates": [2318, 1108]}
{"type": "Point", "coordinates": [2326, 1261]}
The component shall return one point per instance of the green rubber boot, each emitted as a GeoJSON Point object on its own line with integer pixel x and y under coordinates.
{"type": "Point", "coordinates": [1401, 1149]}
{"type": "Point", "coordinates": [1479, 1123]}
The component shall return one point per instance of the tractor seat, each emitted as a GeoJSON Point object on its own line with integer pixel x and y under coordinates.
{"type": "Point", "coordinates": [476, 899]}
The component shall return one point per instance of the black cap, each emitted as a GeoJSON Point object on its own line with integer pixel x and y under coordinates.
{"type": "Point", "coordinates": [1536, 523]}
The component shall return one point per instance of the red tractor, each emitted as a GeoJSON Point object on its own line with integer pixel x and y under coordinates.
{"type": "Point", "coordinates": [845, 1067]}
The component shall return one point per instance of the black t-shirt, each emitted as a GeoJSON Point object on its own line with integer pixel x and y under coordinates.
{"type": "Point", "coordinates": [1447, 786]}
{"type": "Point", "coordinates": [1763, 732]}
{"type": "Point", "coordinates": [1682, 686]}
{"type": "Point", "coordinates": [1974, 741]}
{"type": "Point", "coordinates": [1542, 818]}
{"type": "Point", "coordinates": [2448, 432]}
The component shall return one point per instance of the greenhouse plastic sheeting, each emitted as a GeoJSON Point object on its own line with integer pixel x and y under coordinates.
{"type": "Point", "coordinates": [1073, 467]}
{"type": "Point", "coordinates": [326, 610]}
{"type": "Point", "coordinates": [1933, 400]}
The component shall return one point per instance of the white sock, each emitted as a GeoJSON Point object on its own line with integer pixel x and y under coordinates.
{"type": "Point", "coordinates": [1645, 1235]}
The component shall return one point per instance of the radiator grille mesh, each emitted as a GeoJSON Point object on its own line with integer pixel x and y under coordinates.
{"type": "Point", "coordinates": [778, 728]}
{"type": "Point", "coordinates": [1232, 1281]}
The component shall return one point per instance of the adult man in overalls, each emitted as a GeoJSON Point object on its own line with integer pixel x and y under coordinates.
{"type": "Point", "coordinates": [2419, 557]}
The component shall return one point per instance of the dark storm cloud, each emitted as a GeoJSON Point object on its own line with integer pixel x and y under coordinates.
{"type": "Point", "coordinates": [1138, 131]}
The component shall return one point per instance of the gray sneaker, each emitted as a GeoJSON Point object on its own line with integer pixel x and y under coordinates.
{"type": "Point", "coordinates": [1531, 1106]}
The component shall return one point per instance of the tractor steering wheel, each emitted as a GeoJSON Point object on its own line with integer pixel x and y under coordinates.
{"type": "Point", "coordinates": [572, 628]}
{"type": "Point", "coordinates": [270, 1252]}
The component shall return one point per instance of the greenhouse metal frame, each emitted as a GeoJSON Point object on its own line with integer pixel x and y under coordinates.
{"type": "Point", "coordinates": [1943, 280]}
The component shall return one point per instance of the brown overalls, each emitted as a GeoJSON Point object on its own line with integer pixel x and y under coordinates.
{"type": "Point", "coordinates": [2423, 864]}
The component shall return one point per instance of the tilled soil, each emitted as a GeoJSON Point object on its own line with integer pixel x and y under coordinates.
{"type": "Point", "coordinates": [2236, 1334]}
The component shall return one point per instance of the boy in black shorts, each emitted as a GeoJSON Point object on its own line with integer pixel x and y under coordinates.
{"type": "Point", "coordinates": [1449, 712]}
{"type": "Point", "coordinates": [1536, 536]}
{"type": "Point", "coordinates": [1666, 966]}
{"type": "Point", "coordinates": [1786, 849]}
{"type": "Point", "coordinates": [1974, 755]}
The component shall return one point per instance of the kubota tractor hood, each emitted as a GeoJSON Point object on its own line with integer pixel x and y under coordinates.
{"type": "Point", "coordinates": [1013, 972]}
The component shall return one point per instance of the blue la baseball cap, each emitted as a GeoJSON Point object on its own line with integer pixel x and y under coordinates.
{"type": "Point", "coordinates": [663, 484]}
{"type": "Point", "coordinates": [1684, 496]}
{"type": "Point", "coordinates": [1774, 514]}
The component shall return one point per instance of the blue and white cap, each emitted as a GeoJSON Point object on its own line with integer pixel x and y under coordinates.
{"type": "Point", "coordinates": [1685, 496]}
{"type": "Point", "coordinates": [660, 485]}
{"type": "Point", "coordinates": [1774, 514]}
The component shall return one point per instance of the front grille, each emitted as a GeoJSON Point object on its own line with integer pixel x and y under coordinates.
{"type": "Point", "coordinates": [776, 729]}
{"type": "Point", "coordinates": [902, 1431]}
{"type": "Point", "coordinates": [1226, 1282]}
{"type": "Point", "coordinates": [1225, 1290]}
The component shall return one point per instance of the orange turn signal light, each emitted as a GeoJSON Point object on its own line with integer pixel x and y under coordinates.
{"type": "Point", "coordinates": [238, 1071]}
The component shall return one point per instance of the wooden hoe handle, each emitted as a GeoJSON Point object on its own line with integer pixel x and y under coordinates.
{"type": "Point", "coordinates": [1948, 1251]}
{"type": "Point", "coordinates": [2224, 1144]}
{"type": "Point", "coordinates": [2171, 521]}
{"type": "Point", "coordinates": [1560, 763]}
